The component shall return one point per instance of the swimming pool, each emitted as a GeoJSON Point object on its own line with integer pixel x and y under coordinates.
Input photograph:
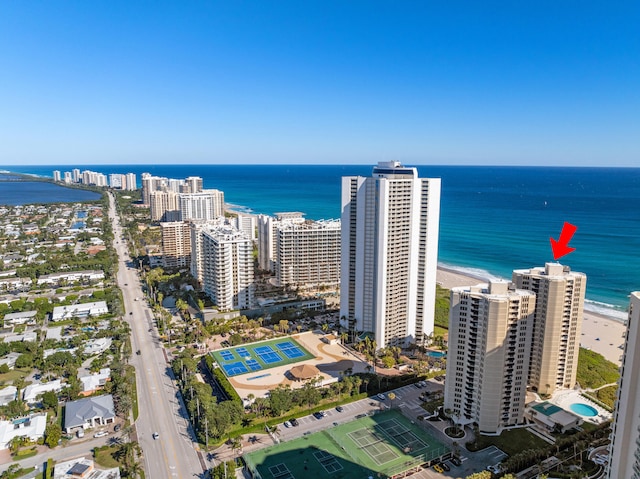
{"type": "Point", "coordinates": [583, 409]}
{"type": "Point", "coordinates": [436, 354]}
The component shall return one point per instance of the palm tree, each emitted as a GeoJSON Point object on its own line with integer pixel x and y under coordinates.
{"type": "Point", "coordinates": [325, 327]}
{"type": "Point", "coordinates": [343, 337]}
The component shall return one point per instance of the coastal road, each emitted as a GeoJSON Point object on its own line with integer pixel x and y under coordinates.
{"type": "Point", "coordinates": [173, 454]}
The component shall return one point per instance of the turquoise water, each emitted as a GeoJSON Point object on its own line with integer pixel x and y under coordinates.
{"type": "Point", "coordinates": [493, 219]}
{"type": "Point", "coordinates": [436, 354]}
{"type": "Point", "coordinates": [583, 409]}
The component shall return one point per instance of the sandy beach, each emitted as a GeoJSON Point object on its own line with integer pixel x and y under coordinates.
{"type": "Point", "coordinates": [600, 333]}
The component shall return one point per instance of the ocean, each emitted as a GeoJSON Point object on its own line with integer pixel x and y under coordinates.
{"type": "Point", "coordinates": [493, 219]}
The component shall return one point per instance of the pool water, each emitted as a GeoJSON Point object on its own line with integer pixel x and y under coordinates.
{"type": "Point", "coordinates": [583, 409]}
{"type": "Point", "coordinates": [436, 354]}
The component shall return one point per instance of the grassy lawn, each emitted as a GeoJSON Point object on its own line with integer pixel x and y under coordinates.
{"type": "Point", "coordinates": [442, 307]}
{"type": "Point", "coordinates": [511, 442]}
{"type": "Point", "coordinates": [439, 331]}
{"type": "Point", "coordinates": [134, 394]}
{"type": "Point", "coordinates": [17, 373]}
{"type": "Point", "coordinates": [104, 456]}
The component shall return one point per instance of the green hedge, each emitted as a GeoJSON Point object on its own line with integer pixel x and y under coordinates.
{"type": "Point", "coordinates": [222, 380]}
{"type": "Point", "coordinates": [48, 472]}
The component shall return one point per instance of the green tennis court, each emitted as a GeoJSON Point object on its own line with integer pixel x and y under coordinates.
{"type": "Point", "coordinates": [383, 445]}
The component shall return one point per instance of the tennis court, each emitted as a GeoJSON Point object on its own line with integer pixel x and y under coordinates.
{"type": "Point", "coordinates": [258, 356]}
{"type": "Point", "coordinates": [383, 445]}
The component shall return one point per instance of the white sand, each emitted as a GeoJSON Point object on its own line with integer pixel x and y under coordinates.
{"type": "Point", "coordinates": [600, 333]}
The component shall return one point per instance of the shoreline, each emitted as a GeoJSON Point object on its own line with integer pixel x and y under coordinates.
{"type": "Point", "coordinates": [601, 333]}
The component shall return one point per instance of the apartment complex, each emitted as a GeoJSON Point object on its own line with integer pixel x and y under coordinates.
{"type": "Point", "coordinates": [164, 206]}
{"type": "Point", "coordinates": [176, 244]}
{"type": "Point", "coordinates": [308, 254]}
{"type": "Point", "coordinates": [205, 205]}
{"type": "Point", "coordinates": [227, 276]}
{"type": "Point", "coordinates": [88, 177]}
{"type": "Point", "coordinates": [624, 460]}
{"type": "Point", "coordinates": [268, 237]}
{"type": "Point", "coordinates": [390, 225]}
{"type": "Point", "coordinates": [557, 324]}
{"type": "Point", "coordinates": [150, 183]}
{"type": "Point", "coordinates": [488, 359]}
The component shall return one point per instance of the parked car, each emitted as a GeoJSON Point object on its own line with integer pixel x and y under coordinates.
{"type": "Point", "coordinates": [339, 409]}
{"type": "Point", "coordinates": [437, 468]}
{"type": "Point", "coordinates": [294, 422]}
{"type": "Point", "coordinates": [382, 397]}
{"type": "Point", "coordinates": [117, 427]}
{"type": "Point", "coordinates": [286, 424]}
{"type": "Point", "coordinates": [101, 434]}
{"type": "Point", "coordinates": [456, 461]}
{"type": "Point", "coordinates": [444, 466]}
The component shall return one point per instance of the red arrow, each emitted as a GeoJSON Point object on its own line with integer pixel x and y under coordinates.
{"type": "Point", "coordinates": [561, 247]}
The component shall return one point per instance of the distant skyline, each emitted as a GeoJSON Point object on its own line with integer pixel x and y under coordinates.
{"type": "Point", "coordinates": [466, 83]}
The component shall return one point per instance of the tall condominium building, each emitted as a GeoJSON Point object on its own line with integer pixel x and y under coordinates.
{"type": "Point", "coordinates": [227, 259]}
{"type": "Point", "coordinates": [624, 460]}
{"type": "Point", "coordinates": [164, 206]}
{"type": "Point", "coordinates": [390, 225]}
{"type": "Point", "coordinates": [488, 358]}
{"type": "Point", "coordinates": [308, 254]}
{"type": "Point", "coordinates": [57, 176]}
{"type": "Point", "coordinates": [194, 184]}
{"type": "Point", "coordinates": [150, 184]}
{"type": "Point", "coordinates": [76, 175]}
{"type": "Point", "coordinates": [206, 205]}
{"type": "Point", "coordinates": [268, 237]}
{"type": "Point", "coordinates": [67, 177]}
{"type": "Point", "coordinates": [557, 324]}
{"type": "Point", "coordinates": [130, 182]}
{"type": "Point", "coordinates": [116, 180]}
{"type": "Point", "coordinates": [176, 244]}
{"type": "Point", "coordinates": [246, 223]}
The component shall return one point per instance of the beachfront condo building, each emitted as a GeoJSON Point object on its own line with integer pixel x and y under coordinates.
{"type": "Point", "coordinates": [390, 224]}
{"type": "Point", "coordinates": [164, 206]}
{"type": "Point", "coordinates": [488, 358]}
{"type": "Point", "coordinates": [131, 182]}
{"type": "Point", "coordinates": [557, 324]}
{"type": "Point", "coordinates": [268, 236]}
{"type": "Point", "coordinates": [308, 254]}
{"type": "Point", "coordinates": [247, 223]}
{"type": "Point", "coordinates": [176, 244]}
{"type": "Point", "coordinates": [57, 175]}
{"type": "Point", "coordinates": [194, 183]}
{"type": "Point", "coordinates": [205, 205]}
{"type": "Point", "coordinates": [624, 459]}
{"type": "Point", "coordinates": [227, 261]}
{"type": "Point", "coordinates": [150, 183]}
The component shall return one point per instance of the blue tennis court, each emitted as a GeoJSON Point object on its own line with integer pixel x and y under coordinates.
{"type": "Point", "coordinates": [242, 352]}
{"type": "Point", "coordinates": [253, 365]}
{"type": "Point", "coordinates": [227, 355]}
{"type": "Point", "coordinates": [235, 368]}
{"type": "Point", "coordinates": [289, 350]}
{"type": "Point", "coordinates": [267, 354]}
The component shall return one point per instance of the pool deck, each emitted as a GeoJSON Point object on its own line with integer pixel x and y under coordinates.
{"type": "Point", "coordinates": [565, 399]}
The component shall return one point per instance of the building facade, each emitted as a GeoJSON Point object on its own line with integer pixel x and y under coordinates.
{"type": "Point", "coordinates": [226, 262]}
{"type": "Point", "coordinates": [164, 206]}
{"type": "Point", "coordinates": [268, 237]}
{"type": "Point", "coordinates": [206, 205]}
{"type": "Point", "coordinates": [390, 225]}
{"type": "Point", "coordinates": [176, 244]}
{"type": "Point", "coordinates": [557, 324]}
{"type": "Point", "coordinates": [308, 254]}
{"type": "Point", "coordinates": [488, 358]}
{"type": "Point", "coordinates": [624, 460]}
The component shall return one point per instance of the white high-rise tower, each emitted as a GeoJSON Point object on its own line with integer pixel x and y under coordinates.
{"type": "Point", "coordinates": [390, 227]}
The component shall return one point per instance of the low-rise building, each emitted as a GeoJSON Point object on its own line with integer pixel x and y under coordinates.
{"type": "Point", "coordinates": [10, 359]}
{"type": "Point", "coordinates": [97, 308]}
{"type": "Point", "coordinates": [89, 412]}
{"type": "Point", "coordinates": [8, 394]}
{"type": "Point", "coordinates": [26, 317]}
{"type": "Point", "coordinates": [32, 391]}
{"type": "Point", "coordinates": [83, 468]}
{"type": "Point", "coordinates": [31, 427]}
{"type": "Point", "coordinates": [94, 382]}
{"type": "Point", "coordinates": [97, 346]}
{"type": "Point", "coordinates": [551, 417]}
{"type": "Point", "coordinates": [28, 337]}
{"type": "Point", "coordinates": [71, 277]}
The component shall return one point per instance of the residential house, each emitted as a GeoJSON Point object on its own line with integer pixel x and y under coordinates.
{"type": "Point", "coordinates": [31, 427]}
{"type": "Point", "coordinates": [89, 412]}
{"type": "Point", "coordinates": [32, 391]}
{"type": "Point", "coordinates": [94, 382]}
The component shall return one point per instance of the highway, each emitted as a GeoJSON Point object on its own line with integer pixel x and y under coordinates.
{"type": "Point", "coordinates": [173, 454]}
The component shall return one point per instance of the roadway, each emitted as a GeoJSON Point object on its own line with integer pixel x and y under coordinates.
{"type": "Point", "coordinates": [173, 454]}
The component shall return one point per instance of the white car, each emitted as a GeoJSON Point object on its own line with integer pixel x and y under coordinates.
{"type": "Point", "coordinates": [101, 434]}
{"type": "Point", "coordinates": [382, 397]}
{"type": "Point", "coordinates": [286, 424]}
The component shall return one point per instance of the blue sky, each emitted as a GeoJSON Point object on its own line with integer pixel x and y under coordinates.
{"type": "Point", "coordinates": [513, 83]}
